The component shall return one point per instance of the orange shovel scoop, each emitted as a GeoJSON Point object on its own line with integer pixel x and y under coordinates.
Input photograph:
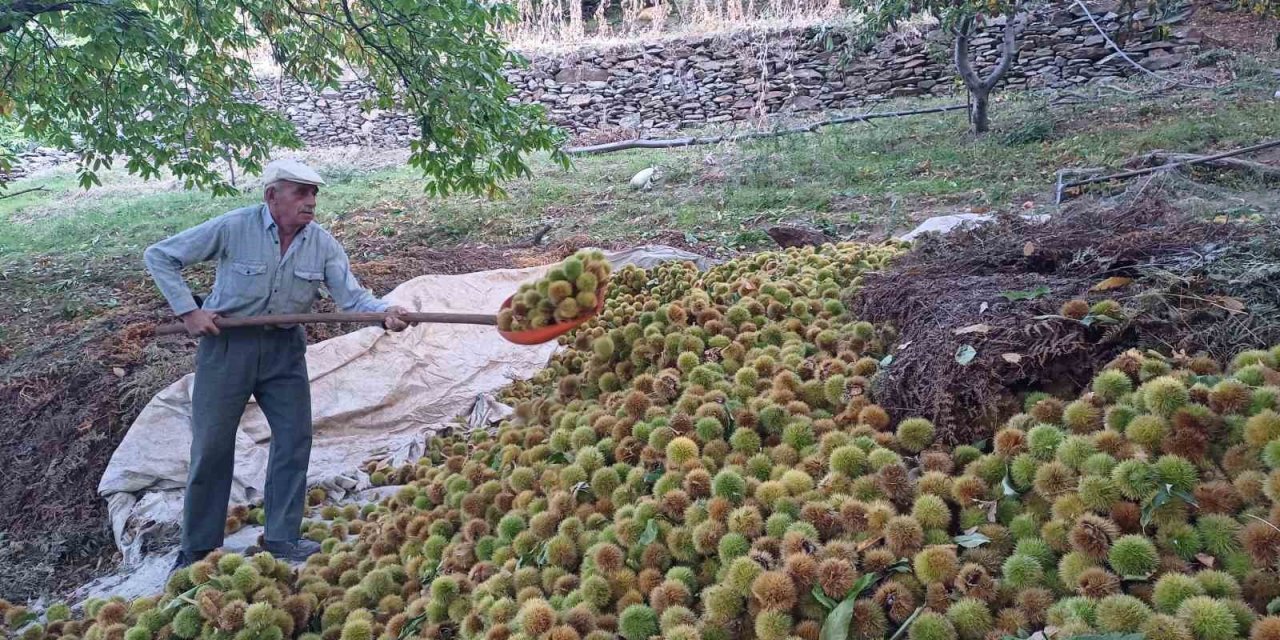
{"type": "Point", "coordinates": [551, 331]}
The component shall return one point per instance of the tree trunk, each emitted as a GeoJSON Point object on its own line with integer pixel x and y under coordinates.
{"type": "Point", "coordinates": [978, 120]}
{"type": "Point", "coordinates": [980, 88]}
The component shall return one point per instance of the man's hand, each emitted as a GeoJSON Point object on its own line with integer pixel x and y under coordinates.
{"type": "Point", "coordinates": [395, 319]}
{"type": "Point", "coordinates": [200, 322]}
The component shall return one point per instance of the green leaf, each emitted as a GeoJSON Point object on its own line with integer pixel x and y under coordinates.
{"type": "Point", "coordinates": [886, 361]}
{"type": "Point", "coordinates": [836, 626]}
{"type": "Point", "coordinates": [653, 475]}
{"type": "Point", "coordinates": [901, 566]}
{"type": "Point", "coordinates": [1026, 295]}
{"type": "Point", "coordinates": [965, 354]}
{"type": "Point", "coordinates": [1149, 508]}
{"type": "Point", "coordinates": [1162, 497]}
{"type": "Point", "coordinates": [429, 574]}
{"type": "Point", "coordinates": [822, 598]}
{"type": "Point", "coordinates": [971, 540]}
{"type": "Point", "coordinates": [1184, 496]}
{"type": "Point", "coordinates": [1092, 319]}
{"type": "Point", "coordinates": [186, 597]}
{"type": "Point", "coordinates": [861, 585]}
{"type": "Point", "coordinates": [650, 533]}
{"type": "Point", "coordinates": [544, 556]}
{"type": "Point", "coordinates": [1274, 607]}
{"type": "Point", "coordinates": [412, 625]}
{"type": "Point", "coordinates": [558, 457]}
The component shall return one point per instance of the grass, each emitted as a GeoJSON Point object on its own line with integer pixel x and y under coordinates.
{"type": "Point", "coordinates": [854, 179]}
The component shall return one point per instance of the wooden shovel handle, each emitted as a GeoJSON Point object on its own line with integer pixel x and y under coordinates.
{"type": "Point", "coordinates": [307, 318]}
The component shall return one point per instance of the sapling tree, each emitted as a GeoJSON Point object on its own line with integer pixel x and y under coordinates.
{"type": "Point", "coordinates": [167, 84]}
{"type": "Point", "coordinates": [961, 19]}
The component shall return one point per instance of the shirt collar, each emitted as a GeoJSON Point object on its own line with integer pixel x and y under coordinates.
{"type": "Point", "coordinates": [269, 223]}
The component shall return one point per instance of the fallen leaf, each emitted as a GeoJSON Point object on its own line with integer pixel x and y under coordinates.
{"type": "Point", "coordinates": [965, 354]}
{"type": "Point", "coordinates": [1012, 358]}
{"type": "Point", "coordinates": [1114, 282]}
{"type": "Point", "coordinates": [868, 543]}
{"type": "Point", "coordinates": [973, 328]}
{"type": "Point", "coordinates": [1230, 304]}
{"type": "Point", "coordinates": [982, 308]}
{"type": "Point", "coordinates": [972, 540]}
{"type": "Point", "coordinates": [1206, 559]}
{"type": "Point", "coordinates": [118, 371]}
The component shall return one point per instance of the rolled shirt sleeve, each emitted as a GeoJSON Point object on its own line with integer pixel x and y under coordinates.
{"type": "Point", "coordinates": [166, 259]}
{"type": "Point", "coordinates": [346, 291]}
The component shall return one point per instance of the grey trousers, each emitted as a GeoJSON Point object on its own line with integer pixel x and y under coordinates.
{"type": "Point", "coordinates": [270, 365]}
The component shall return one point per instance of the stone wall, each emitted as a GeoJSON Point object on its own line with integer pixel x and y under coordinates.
{"type": "Point", "coordinates": [693, 81]}
{"type": "Point", "coordinates": [31, 160]}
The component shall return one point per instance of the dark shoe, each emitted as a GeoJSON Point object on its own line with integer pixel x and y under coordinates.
{"type": "Point", "coordinates": [293, 551]}
{"type": "Point", "coordinates": [187, 558]}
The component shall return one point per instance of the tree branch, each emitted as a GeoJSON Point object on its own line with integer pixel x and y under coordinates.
{"type": "Point", "coordinates": [20, 11]}
{"type": "Point", "coordinates": [395, 62]}
{"type": "Point", "coordinates": [1210, 159]}
{"type": "Point", "coordinates": [18, 193]}
{"type": "Point", "coordinates": [963, 65]}
{"type": "Point", "coordinates": [1164, 158]}
{"type": "Point", "coordinates": [1008, 51]}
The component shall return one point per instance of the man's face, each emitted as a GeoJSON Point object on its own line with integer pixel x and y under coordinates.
{"type": "Point", "coordinates": [292, 203]}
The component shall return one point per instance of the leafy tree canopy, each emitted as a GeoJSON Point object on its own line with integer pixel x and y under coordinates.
{"type": "Point", "coordinates": [166, 84]}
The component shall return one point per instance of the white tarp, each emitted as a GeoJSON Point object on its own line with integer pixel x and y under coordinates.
{"type": "Point", "coordinates": [375, 395]}
{"type": "Point", "coordinates": [948, 223]}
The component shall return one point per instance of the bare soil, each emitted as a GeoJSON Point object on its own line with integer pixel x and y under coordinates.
{"type": "Point", "coordinates": [1237, 30]}
{"type": "Point", "coordinates": [981, 310]}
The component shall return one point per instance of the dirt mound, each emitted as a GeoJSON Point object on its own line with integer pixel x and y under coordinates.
{"type": "Point", "coordinates": [981, 310]}
{"type": "Point", "coordinates": [61, 422]}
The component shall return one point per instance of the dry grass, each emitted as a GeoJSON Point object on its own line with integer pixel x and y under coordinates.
{"type": "Point", "coordinates": [553, 25]}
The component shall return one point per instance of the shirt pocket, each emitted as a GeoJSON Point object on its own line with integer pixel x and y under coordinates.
{"type": "Point", "coordinates": [304, 289]}
{"type": "Point", "coordinates": [246, 280]}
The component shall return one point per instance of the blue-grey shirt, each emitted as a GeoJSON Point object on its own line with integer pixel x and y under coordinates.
{"type": "Point", "coordinates": [252, 278]}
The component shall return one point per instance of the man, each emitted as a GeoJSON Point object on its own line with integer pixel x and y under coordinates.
{"type": "Point", "coordinates": [271, 259]}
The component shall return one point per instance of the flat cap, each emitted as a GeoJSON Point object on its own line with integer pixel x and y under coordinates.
{"type": "Point", "coordinates": [291, 170]}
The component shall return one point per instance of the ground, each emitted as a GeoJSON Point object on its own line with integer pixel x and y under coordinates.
{"type": "Point", "coordinates": [76, 363]}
